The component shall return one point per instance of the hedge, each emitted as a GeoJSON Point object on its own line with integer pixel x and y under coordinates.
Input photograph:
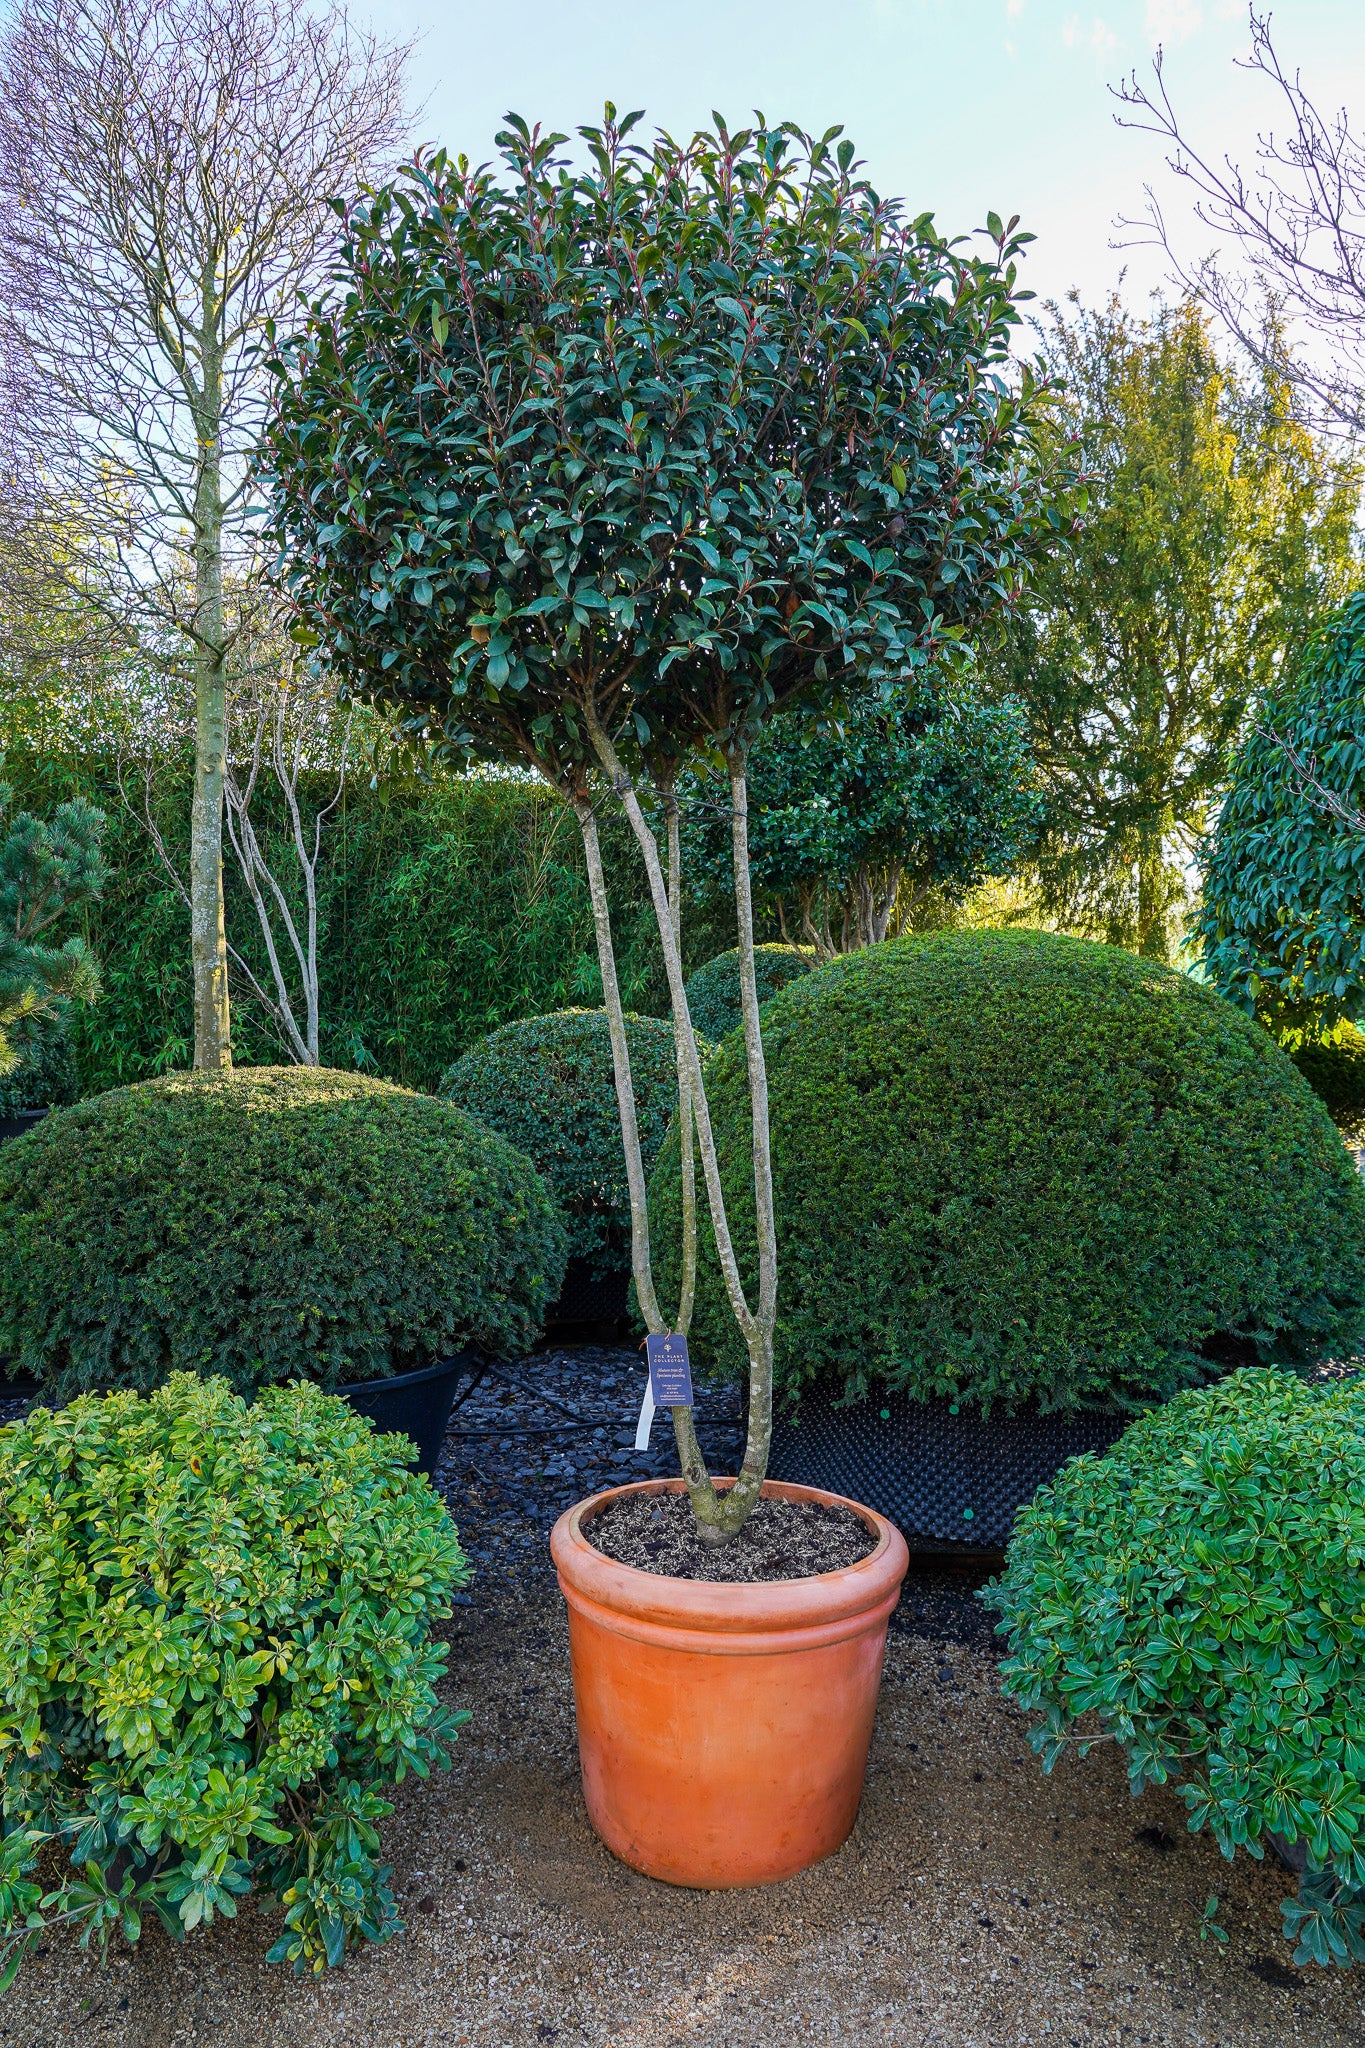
{"type": "Point", "coordinates": [271, 1223]}
{"type": "Point", "coordinates": [1335, 1070]}
{"type": "Point", "coordinates": [713, 991]}
{"type": "Point", "coordinates": [1195, 1595]}
{"type": "Point", "coordinates": [548, 1084]}
{"type": "Point", "coordinates": [1014, 1166]}
{"type": "Point", "coordinates": [447, 907]}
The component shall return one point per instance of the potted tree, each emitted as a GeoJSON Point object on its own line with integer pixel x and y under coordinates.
{"type": "Point", "coordinates": [592, 471]}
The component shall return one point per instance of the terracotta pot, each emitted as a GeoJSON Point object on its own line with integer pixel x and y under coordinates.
{"type": "Point", "coordinates": [723, 1729]}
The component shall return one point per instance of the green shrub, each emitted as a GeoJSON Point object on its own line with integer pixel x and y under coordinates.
{"type": "Point", "coordinates": [1196, 1595]}
{"type": "Point", "coordinates": [275, 1222]}
{"type": "Point", "coordinates": [215, 1648]}
{"type": "Point", "coordinates": [548, 1084]}
{"type": "Point", "coordinates": [45, 1073]}
{"type": "Point", "coordinates": [713, 991]}
{"type": "Point", "coordinates": [1011, 1165]}
{"type": "Point", "coordinates": [1335, 1071]}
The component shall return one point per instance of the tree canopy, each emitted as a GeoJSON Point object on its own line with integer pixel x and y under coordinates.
{"type": "Point", "coordinates": [854, 822]}
{"type": "Point", "coordinates": [658, 443]}
{"type": "Point", "coordinates": [1217, 530]}
{"type": "Point", "coordinates": [47, 868]}
{"type": "Point", "coordinates": [1283, 916]}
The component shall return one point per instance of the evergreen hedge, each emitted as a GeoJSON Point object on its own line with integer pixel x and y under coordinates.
{"type": "Point", "coordinates": [1195, 1595]}
{"type": "Point", "coordinates": [548, 1084]}
{"type": "Point", "coordinates": [1335, 1070]}
{"type": "Point", "coordinates": [274, 1223]}
{"type": "Point", "coordinates": [1009, 1165]}
{"type": "Point", "coordinates": [713, 991]}
{"type": "Point", "coordinates": [446, 908]}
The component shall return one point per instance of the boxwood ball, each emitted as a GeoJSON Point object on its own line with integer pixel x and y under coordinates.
{"type": "Point", "coordinates": [269, 1224]}
{"type": "Point", "coordinates": [1014, 1166]}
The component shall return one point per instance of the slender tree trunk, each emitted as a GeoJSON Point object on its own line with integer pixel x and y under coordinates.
{"type": "Point", "coordinates": [1153, 937]}
{"type": "Point", "coordinates": [718, 1516]}
{"type": "Point", "coordinates": [686, 1148]}
{"type": "Point", "coordinates": [208, 933]}
{"type": "Point", "coordinates": [705, 1503]}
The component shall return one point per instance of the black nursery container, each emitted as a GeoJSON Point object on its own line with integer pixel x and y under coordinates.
{"type": "Point", "coordinates": [416, 1403]}
{"type": "Point", "coordinates": [944, 1475]}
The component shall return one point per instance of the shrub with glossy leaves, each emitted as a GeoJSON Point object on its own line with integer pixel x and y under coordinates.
{"type": "Point", "coordinates": [267, 1224]}
{"type": "Point", "coordinates": [1009, 1165]}
{"type": "Point", "coordinates": [548, 1085]}
{"type": "Point", "coordinates": [713, 991]}
{"type": "Point", "coordinates": [1283, 922]}
{"type": "Point", "coordinates": [1196, 1595]}
{"type": "Point", "coordinates": [215, 1649]}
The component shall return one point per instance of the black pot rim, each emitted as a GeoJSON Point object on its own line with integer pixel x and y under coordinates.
{"type": "Point", "coordinates": [458, 1361]}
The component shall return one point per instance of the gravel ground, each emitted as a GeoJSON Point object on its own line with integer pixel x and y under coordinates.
{"type": "Point", "coordinates": [976, 1905]}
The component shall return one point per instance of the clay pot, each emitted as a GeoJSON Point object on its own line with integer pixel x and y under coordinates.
{"type": "Point", "coordinates": [723, 1729]}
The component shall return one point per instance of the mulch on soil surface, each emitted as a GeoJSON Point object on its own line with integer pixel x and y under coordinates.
{"type": "Point", "coordinates": [782, 1539]}
{"type": "Point", "coordinates": [976, 1905]}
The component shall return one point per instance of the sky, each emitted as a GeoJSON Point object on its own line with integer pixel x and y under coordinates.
{"type": "Point", "coordinates": [958, 106]}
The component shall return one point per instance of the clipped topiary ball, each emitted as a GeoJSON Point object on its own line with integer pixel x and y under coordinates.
{"type": "Point", "coordinates": [1009, 1166]}
{"type": "Point", "coordinates": [548, 1084]}
{"type": "Point", "coordinates": [215, 1656]}
{"type": "Point", "coordinates": [1195, 1596]}
{"type": "Point", "coordinates": [267, 1224]}
{"type": "Point", "coordinates": [713, 991]}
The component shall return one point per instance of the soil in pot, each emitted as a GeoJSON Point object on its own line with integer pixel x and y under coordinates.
{"type": "Point", "coordinates": [782, 1539]}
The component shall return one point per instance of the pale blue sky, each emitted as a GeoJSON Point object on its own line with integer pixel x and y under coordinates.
{"type": "Point", "coordinates": [957, 105]}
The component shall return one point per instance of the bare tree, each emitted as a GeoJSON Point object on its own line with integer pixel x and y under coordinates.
{"type": "Point", "coordinates": [286, 727]}
{"type": "Point", "coordinates": [165, 171]}
{"type": "Point", "coordinates": [1294, 227]}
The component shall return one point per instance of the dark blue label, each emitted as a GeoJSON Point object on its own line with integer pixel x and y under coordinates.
{"type": "Point", "coordinates": [670, 1371]}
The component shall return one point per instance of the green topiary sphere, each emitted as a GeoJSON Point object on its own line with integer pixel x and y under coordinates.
{"type": "Point", "coordinates": [1195, 1595]}
{"type": "Point", "coordinates": [267, 1224]}
{"type": "Point", "coordinates": [215, 1655]}
{"type": "Point", "coordinates": [1009, 1165]}
{"type": "Point", "coordinates": [713, 991]}
{"type": "Point", "coordinates": [548, 1084]}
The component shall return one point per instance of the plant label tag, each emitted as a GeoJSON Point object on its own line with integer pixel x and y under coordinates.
{"type": "Point", "coordinates": [643, 1426]}
{"type": "Point", "coordinates": [670, 1371]}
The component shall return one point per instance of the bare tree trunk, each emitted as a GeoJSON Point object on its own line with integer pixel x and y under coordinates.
{"type": "Point", "coordinates": [705, 1504]}
{"type": "Point", "coordinates": [686, 1147]}
{"type": "Point", "coordinates": [718, 1516]}
{"type": "Point", "coordinates": [208, 932]}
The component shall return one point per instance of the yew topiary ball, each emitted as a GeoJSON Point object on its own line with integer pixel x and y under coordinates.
{"type": "Point", "coordinates": [269, 1224]}
{"type": "Point", "coordinates": [548, 1084]}
{"type": "Point", "coordinates": [1013, 1166]}
{"type": "Point", "coordinates": [713, 996]}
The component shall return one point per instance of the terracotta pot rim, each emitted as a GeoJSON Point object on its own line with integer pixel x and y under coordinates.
{"type": "Point", "coordinates": [743, 1608]}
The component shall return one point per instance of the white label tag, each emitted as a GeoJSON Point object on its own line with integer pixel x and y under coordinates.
{"type": "Point", "coordinates": [642, 1427]}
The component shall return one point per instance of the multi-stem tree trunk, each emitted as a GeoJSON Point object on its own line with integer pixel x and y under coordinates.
{"type": "Point", "coordinates": [719, 1516]}
{"type": "Point", "coordinates": [208, 933]}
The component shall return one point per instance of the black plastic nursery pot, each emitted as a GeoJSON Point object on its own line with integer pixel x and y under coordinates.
{"type": "Point", "coordinates": [945, 1475]}
{"type": "Point", "coordinates": [589, 1297]}
{"type": "Point", "coordinates": [22, 1120]}
{"type": "Point", "coordinates": [416, 1403]}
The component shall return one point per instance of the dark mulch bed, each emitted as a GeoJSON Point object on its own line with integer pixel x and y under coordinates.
{"type": "Point", "coordinates": [782, 1539]}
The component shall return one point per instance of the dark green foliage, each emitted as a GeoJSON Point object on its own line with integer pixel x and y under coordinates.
{"type": "Point", "coordinates": [713, 991]}
{"type": "Point", "coordinates": [1011, 1165]}
{"type": "Point", "coordinates": [1283, 920]}
{"type": "Point", "coordinates": [684, 426]}
{"type": "Point", "coordinates": [852, 823]}
{"type": "Point", "coordinates": [548, 1085]}
{"type": "Point", "coordinates": [215, 1649]}
{"type": "Point", "coordinates": [1335, 1071]}
{"type": "Point", "coordinates": [46, 1072]}
{"type": "Point", "coordinates": [48, 868]}
{"type": "Point", "coordinates": [1195, 1595]}
{"type": "Point", "coordinates": [270, 1223]}
{"type": "Point", "coordinates": [446, 908]}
